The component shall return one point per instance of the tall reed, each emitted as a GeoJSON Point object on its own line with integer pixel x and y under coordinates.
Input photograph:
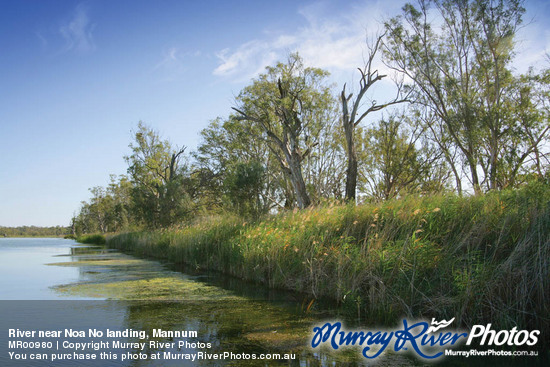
{"type": "Point", "coordinates": [480, 259]}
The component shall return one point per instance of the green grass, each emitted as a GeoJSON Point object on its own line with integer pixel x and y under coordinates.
{"type": "Point", "coordinates": [480, 259]}
{"type": "Point", "coordinates": [92, 239]}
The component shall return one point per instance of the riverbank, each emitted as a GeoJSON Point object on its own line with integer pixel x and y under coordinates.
{"type": "Point", "coordinates": [483, 259]}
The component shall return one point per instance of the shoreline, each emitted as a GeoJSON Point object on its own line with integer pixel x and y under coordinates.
{"type": "Point", "coordinates": [438, 256]}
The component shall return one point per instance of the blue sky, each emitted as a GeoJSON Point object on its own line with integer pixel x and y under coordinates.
{"type": "Point", "coordinates": [76, 77]}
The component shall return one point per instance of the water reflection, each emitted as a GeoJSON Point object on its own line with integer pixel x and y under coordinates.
{"type": "Point", "coordinates": [138, 294]}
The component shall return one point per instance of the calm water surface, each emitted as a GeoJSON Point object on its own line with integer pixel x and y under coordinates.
{"type": "Point", "coordinates": [56, 284]}
{"type": "Point", "coordinates": [52, 284]}
{"type": "Point", "coordinates": [23, 275]}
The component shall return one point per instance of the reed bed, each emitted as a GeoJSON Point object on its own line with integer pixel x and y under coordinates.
{"type": "Point", "coordinates": [480, 259]}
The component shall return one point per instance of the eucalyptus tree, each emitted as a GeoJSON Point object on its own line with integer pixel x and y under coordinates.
{"type": "Point", "coordinates": [97, 215]}
{"type": "Point", "coordinates": [459, 63]}
{"type": "Point", "coordinates": [398, 159]}
{"type": "Point", "coordinates": [227, 143]}
{"type": "Point", "coordinates": [101, 209]}
{"type": "Point", "coordinates": [285, 102]}
{"type": "Point", "coordinates": [325, 165]}
{"type": "Point", "coordinates": [108, 210]}
{"type": "Point", "coordinates": [526, 152]}
{"type": "Point", "coordinates": [242, 187]}
{"type": "Point", "coordinates": [84, 221]}
{"type": "Point", "coordinates": [120, 189]}
{"type": "Point", "coordinates": [156, 174]}
{"type": "Point", "coordinates": [352, 115]}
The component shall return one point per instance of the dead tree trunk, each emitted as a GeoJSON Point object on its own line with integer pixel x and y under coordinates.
{"type": "Point", "coordinates": [350, 120]}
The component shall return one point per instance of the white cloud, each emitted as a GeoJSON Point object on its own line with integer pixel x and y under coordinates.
{"type": "Point", "coordinates": [172, 64]}
{"type": "Point", "coordinates": [169, 58]}
{"type": "Point", "coordinates": [77, 32]}
{"type": "Point", "coordinates": [329, 40]}
{"type": "Point", "coordinates": [247, 61]}
{"type": "Point", "coordinates": [334, 38]}
{"type": "Point", "coordinates": [532, 46]}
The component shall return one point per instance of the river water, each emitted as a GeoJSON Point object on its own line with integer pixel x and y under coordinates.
{"type": "Point", "coordinates": [56, 284]}
{"type": "Point", "coordinates": [63, 287]}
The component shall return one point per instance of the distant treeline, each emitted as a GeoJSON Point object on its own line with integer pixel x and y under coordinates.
{"type": "Point", "coordinates": [33, 231]}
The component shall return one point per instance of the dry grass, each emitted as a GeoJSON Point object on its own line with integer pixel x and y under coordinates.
{"type": "Point", "coordinates": [479, 259]}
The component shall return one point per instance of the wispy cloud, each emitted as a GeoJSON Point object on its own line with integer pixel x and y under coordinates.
{"type": "Point", "coordinates": [533, 39]}
{"type": "Point", "coordinates": [77, 32]}
{"type": "Point", "coordinates": [169, 58]}
{"type": "Point", "coordinates": [172, 64]}
{"type": "Point", "coordinates": [327, 40]}
{"type": "Point", "coordinates": [247, 60]}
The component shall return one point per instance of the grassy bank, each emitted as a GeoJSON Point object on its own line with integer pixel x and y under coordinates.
{"type": "Point", "coordinates": [91, 239]}
{"type": "Point", "coordinates": [479, 259]}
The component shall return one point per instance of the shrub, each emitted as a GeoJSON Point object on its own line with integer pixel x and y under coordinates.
{"type": "Point", "coordinates": [95, 239]}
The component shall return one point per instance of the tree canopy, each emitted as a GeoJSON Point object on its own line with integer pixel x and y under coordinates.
{"type": "Point", "coordinates": [293, 139]}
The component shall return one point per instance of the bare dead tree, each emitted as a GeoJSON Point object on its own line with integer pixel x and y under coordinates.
{"type": "Point", "coordinates": [350, 120]}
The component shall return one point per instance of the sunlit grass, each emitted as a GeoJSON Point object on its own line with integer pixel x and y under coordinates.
{"type": "Point", "coordinates": [478, 259]}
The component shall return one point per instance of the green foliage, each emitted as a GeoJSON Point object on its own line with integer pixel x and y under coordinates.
{"type": "Point", "coordinates": [92, 239]}
{"type": "Point", "coordinates": [460, 66]}
{"type": "Point", "coordinates": [291, 105]}
{"type": "Point", "coordinates": [398, 159]}
{"type": "Point", "coordinates": [474, 258]}
{"type": "Point", "coordinates": [242, 186]}
{"type": "Point", "coordinates": [158, 193]}
{"type": "Point", "coordinates": [109, 209]}
{"type": "Point", "coordinates": [224, 144]}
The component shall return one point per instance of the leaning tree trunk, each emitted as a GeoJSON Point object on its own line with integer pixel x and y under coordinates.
{"type": "Point", "coordinates": [298, 183]}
